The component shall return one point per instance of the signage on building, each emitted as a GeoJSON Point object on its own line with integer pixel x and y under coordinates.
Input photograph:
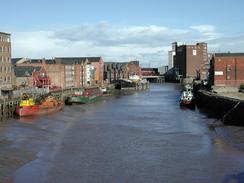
{"type": "Point", "coordinates": [194, 52]}
{"type": "Point", "coordinates": [218, 73]}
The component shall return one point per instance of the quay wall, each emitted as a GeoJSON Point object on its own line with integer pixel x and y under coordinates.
{"type": "Point", "coordinates": [8, 106]}
{"type": "Point", "coordinates": [231, 110]}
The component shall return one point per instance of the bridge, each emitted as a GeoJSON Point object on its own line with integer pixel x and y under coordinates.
{"type": "Point", "coordinates": [152, 75]}
{"type": "Point", "coordinates": [154, 79]}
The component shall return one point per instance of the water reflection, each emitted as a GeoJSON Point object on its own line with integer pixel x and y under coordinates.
{"type": "Point", "coordinates": [234, 178]}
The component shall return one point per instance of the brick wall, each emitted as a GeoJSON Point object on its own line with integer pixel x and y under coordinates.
{"type": "Point", "coordinates": [228, 71]}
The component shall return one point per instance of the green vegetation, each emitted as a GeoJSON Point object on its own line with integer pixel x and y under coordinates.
{"type": "Point", "coordinates": [242, 86]}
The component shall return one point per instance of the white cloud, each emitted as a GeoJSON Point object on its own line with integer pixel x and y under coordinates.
{"type": "Point", "coordinates": [203, 28]}
{"type": "Point", "coordinates": [208, 32]}
{"type": "Point", "coordinates": [149, 44]}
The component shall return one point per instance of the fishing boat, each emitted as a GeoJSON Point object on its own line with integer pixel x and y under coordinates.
{"type": "Point", "coordinates": [187, 98]}
{"type": "Point", "coordinates": [87, 95]}
{"type": "Point", "coordinates": [30, 107]}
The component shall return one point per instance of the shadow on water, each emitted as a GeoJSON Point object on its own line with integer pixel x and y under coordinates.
{"type": "Point", "coordinates": [29, 119]}
{"type": "Point", "coordinates": [207, 112]}
{"type": "Point", "coordinates": [192, 107]}
{"type": "Point", "coordinates": [237, 178]}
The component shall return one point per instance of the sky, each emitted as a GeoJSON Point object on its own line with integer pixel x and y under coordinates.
{"type": "Point", "coordinates": [121, 30]}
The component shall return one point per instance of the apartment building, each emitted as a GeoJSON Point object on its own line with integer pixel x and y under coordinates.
{"type": "Point", "coordinates": [6, 71]}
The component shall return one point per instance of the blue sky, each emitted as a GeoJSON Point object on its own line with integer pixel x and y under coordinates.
{"type": "Point", "coordinates": [120, 30]}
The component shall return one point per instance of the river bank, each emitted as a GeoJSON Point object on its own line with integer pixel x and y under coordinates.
{"type": "Point", "coordinates": [228, 106]}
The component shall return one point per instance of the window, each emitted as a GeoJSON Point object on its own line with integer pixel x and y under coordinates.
{"type": "Point", "coordinates": [9, 79]}
{"type": "Point", "coordinates": [228, 71]}
{"type": "Point", "coordinates": [194, 52]}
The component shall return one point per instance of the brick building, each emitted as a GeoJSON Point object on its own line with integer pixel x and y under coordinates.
{"type": "Point", "coordinates": [56, 72]}
{"type": "Point", "coordinates": [32, 77]}
{"type": "Point", "coordinates": [98, 64]}
{"type": "Point", "coordinates": [149, 72]}
{"type": "Point", "coordinates": [134, 68]}
{"type": "Point", "coordinates": [115, 71]}
{"type": "Point", "coordinates": [6, 70]}
{"type": "Point", "coordinates": [68, 71]}
{"type": "Point", "coordinates": [227, 69]}
{"type": "Point", "coordinates": [191, 60]}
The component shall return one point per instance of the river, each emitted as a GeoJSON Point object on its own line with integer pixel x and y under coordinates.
{"type": "Point", "coordinates": [142, 137]}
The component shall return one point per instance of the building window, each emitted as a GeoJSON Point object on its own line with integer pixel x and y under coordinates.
{"type": "Point", "coordinates": [194, 52]}
{"type": "Point", "coordinates": [9, 79]}
{"type": "Point", "coordinates": [228, 71]}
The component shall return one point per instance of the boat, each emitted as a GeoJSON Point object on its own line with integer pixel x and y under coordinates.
{"type": "Point", "coordinates": [106, 91]}
{"type": "Point", "coordinates": [30, 107]}
{"type": "Point", "coordinates": [87, 95]}
{"type": "Point", "coordinates": [187, 98]}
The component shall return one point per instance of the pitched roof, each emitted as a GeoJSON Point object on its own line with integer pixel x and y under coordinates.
{"type": "Point", "coordinates": [70, 60]}
{"type": "Point", "coordinates": [229, 54]}
{"type": "Point", "coordinates": [5, 33]}
{"type": "Point", "coordinates": [25, 71]}
{"type": "Point", "coordinates": [93, 59]}
{"type": "Point", "coordinates": [50, 61]}
{"type": "Point", "coordinates": [15, 60]}
{"type": "Point", "coordinates": [79, 60]}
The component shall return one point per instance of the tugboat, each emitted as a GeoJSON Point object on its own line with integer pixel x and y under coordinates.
{"type": "Point", "coordinates": [29, 107]}
{"type": "Point", "coordinates": [88, 95]}
{"type": "Point", "coordinates": [187, 98]}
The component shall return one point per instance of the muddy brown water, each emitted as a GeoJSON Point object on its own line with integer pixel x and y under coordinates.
{"type": "Point", "coordinates": [141, 137]}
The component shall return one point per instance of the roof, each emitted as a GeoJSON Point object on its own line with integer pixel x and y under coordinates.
{"type": "Point", "coordinates": [74, 60]}
{"type": "Point", "coordinates": [93, 59]}
{"type": "Point", "coordinates": [229, 54]}
{"type": "Point", "coordinates": [25, 71]}
{"type": "Point", "coordinates": [70, 60]}
{"type": "Point", "coordinates": [15, 60]}
{"type": "Point", "coordinates": [50, 61]}
{"type": "Point", "coordinates": [148, 68]}
{"type": "Point", "coordinates": [5, 33]}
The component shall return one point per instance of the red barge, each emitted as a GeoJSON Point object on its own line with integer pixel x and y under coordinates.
{"type": "Point", "coordinates": [28, 107]}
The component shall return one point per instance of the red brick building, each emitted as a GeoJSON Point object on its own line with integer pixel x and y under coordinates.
{"type": "Point", "coordinates": [32, 77]}
{"type": "Point", "coordinates": [149, 72]}
{"type": "Point", "coordinates": [98, 64]}
{"type": "Point", "coordinates": [134, 68]}
{"type": "Point", "coordinates": [68, 72]}
{"type": "Point", "coordinates": [191, 61]}
{"type": "Point", "coordinates": [227, 69]}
